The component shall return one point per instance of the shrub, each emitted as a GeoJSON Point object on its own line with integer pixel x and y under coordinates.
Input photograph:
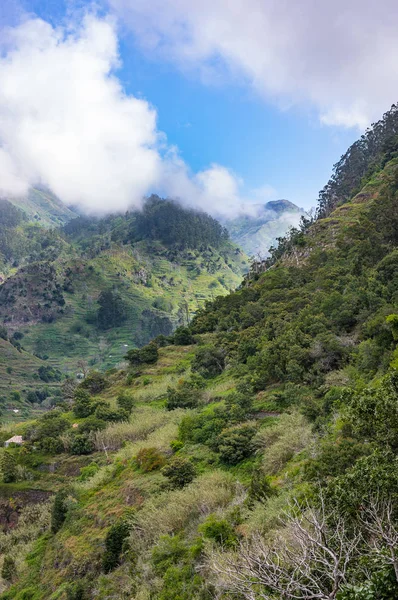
{"type": "Point", "coordinates": [88, 471]}
{"type": "Point", "coordinates": [179, 471]}
{"type": "Point", "coordinates": [149, 353]}
{"type": "Point", "coordinates": [125, 401]}
{"type": "Point", "coordinates": [106, 413]}
{"type": "Point", "coordinates": [95, 383]}
{"type": "Point", "coordinates": [81, 444]}
{"type": "Point", "coordinates": [182, 397]}
{"type": "Point", "coordinates": [8, 467]}
{"type": "Point", "coordinates": [8, 569]}
{"type": "Point", "coordinates": [235, 443]}
{"type": "Point", "coordinates": [183, 337]}
{"type": "Point", "coordinates": [59, 511]}
{"type": "Point", "coordinates": [3, 333]}
{"type": "Point", "coordinates": [82, 406]}
{"type": "Point", "coordinates": [209, 361]}
{"type": "Point", "coordinates": [114, 542]}
{"type": "Point", "coordinates": [51, 445]}
{"type": "Point", "coordinates": [219, 530]}
{"type": "Point", "coordinates": [92, 423]}
{"type": "Point", "coordinates": [149, 459]}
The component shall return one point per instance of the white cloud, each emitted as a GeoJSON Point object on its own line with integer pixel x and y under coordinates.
{"type": "Point", "coordinates": [340, 57]}
{"type": "Point", "coordinates": [66, 122]}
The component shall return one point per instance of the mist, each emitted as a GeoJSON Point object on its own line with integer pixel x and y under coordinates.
{"type": "Point", "coordinates": [66, 123]}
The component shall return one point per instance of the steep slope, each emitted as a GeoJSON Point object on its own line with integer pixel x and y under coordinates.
{"type": "Point", "coordinates": [99, 287]}
{"type": "Point", "coordinates": [256, 234]}
{"type": "Point", "coordinates": [43, 208]}
{"type": "Point", "coordinates": [272, 433]}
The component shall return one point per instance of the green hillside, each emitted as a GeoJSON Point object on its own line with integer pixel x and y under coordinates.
{"type": "Point", "coordinates": [251, 455]}
{"type": "Point", "coordinates": [42, 207]}
{"type": "Point", "coordinates": [53, 298]}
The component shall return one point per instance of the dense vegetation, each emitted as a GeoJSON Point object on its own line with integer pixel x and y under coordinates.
{"type": "Point", "coordinates": [95, 287]}
{"type": "Point", "coordinates": [253, 454]}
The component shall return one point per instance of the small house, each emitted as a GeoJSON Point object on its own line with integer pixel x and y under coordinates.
{"type": "Point", "coordinates": [16, 439]}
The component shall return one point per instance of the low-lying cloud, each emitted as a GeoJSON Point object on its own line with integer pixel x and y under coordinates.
{"type": "Point", "coordinates": [339, 58]}
{"type": "Point", "coordinates": [67, 123]}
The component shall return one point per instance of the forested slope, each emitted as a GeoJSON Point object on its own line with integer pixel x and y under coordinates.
{"type": "Point", "coordinates": [252, 455]}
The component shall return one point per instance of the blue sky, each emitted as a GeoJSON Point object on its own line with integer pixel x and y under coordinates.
{"type": "Point", "coordinates": [275, 127]}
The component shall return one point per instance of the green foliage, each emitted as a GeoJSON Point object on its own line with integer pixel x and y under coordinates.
{"type": "Point", "coordinates": [220, 531]}
{"type": "Point", "coordinates": [235, 443]}
{"type": "Point", "coordinates": [150, 459]}
{"type": "Point", "coordinates": [179, 471]}
{"type": "Point", "coordinates": [48, 374]}
{"type": "Point", "coordinates": [147, 354]}
{"type": "Point", "coordinates": [114, 542]}
{"type": "Point", "coordinates": [8, 570]}
{"type": "Point", "coordinates": [183, 337]}
{"type": "Point", "coordinates": [81, 444]}
{"type": "Point", "coordinates": [112, 310]}
{"type": "Point", "coordinates": [88, 471]}
{"type": "Point", "coordinates": [165, 220]}
{"type": "Point", "coordinates": [8, 466]}
{"type": "Point", "coordinates": [125, 402]}
{"type": "Point", "coordinates": [209, 361]}
{"type": "Point", "coordinates": [82, 405]}
{"type": "Point", "coordinates": [94, 383]}
{"type": "Point", "coordinates": [59, 511]}
{"type": "Point", "coordinates": [185, 395]}
{"type": "Point", "coordinates": [104, 412]}
{"type": "Point", "coordinates": [3, 333]}
{"type": "Point", "coordinates": [92, 423]}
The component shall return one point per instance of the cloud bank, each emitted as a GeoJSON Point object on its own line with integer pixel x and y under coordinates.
{"type": "Point", "coordinates": [66, 122]}
{"type": "Point", "coordinates": [339, 58]}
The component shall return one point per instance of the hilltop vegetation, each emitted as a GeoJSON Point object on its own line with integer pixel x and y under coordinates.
{"type": "Point", "coordinates": [250, 455]}
{"type": "Point", "coordinates": [97, 287]}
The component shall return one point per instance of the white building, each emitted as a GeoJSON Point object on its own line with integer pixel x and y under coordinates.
{"type": "Point", "coordinates": [16, 439]}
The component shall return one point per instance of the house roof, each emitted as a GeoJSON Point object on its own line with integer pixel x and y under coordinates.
{"type": "Point", "coordinates": [16, 439]}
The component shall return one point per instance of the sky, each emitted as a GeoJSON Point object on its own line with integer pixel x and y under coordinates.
{"type": "Point", "coordinates": [223, 104]}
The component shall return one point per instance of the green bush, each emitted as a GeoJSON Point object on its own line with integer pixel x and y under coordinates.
{"type": "Point", "coordinates": [95, 383]}
{"type": "Point", "coordinates": [179, 471]}
{"type": "Point", "coordinates": [220, 531]}
{"type": "Point", "coordinates": [183, 337]}
{"type": "Point", "coordinates": [149, 353]}
{"type": "Point", "coordinates": [82, 405]}
{"type": "Point", "coordinates": [88, 471]}
{"type": "Point", "coordinates": [92, 423]}
{"type": "Point", "coordinates": [8, 467]}
{"type": "Point", "coordinates": [235, 443]}
{"type": "Point", "coordinates": [209, 361]}
{"type": "Point", "coordinates": [81, 444]}
{"type": "Point", "coordinates": [114, 543]}
{"type": "Point", "coordinates": [149, 459]}
{"type": "Point", "coordinates": [182, 396]}
{"type": "Point", "coordinates": [125, 401]}
{"type": "Point", "coordinates": [106, 413]}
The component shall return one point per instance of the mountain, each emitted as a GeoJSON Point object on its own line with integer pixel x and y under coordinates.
{"type": "Point", "coordinates": [257, 233]}
{"type": "Point", "coordinates": [252, 454]}
{"type": "Point", "coordinates": [97, 287]}
{"type": "Point", "coordinates": [43, 207]}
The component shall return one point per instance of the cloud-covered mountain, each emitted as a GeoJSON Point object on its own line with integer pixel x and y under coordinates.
{"type": "Point", "coordinates": [256, 233]}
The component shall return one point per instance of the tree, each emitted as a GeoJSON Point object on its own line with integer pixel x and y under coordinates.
{"type": "Point", "coordinates": [114, 542]}
{"type": "Point", "coordinates": [94, 382]}
{"type": "Point", "coordinates": [8, 467]}
{"type": "Point", "coordinates": [126, 402]}
{"type": "Point", "coordinates": [235, 443]}
{"type": "Point", "coordinates": [179, 471]}
{"type": "Point", "coordinates": [82, 406]}
{"type": "Point", "coordinates": [183, 337]}
{"type": "Point", "coordinates": [112, 311]}
{"type": "Point", "coordinates": [209, 361]}
{"type": "Point", "coordinates": [149, 353]}
{"type": "Point", "coordinates": [310, 559]}
{"type": "Point", "coordinates": [81, 444]}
